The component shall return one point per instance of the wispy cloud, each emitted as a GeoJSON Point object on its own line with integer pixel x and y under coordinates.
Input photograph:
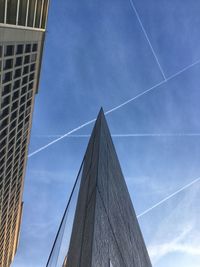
{"type": "Point", "coordinates": [48, 177]}
{"type": "Point", "coordinates": [175, 245]}
{"type": "Point", "coordinates": [177, 232]}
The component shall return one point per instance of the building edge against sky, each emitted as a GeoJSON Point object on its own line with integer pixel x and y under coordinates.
{"type": "Point", "coordinates": [22, 34]}
{"type": "Point", "coordinates": [103, 230]}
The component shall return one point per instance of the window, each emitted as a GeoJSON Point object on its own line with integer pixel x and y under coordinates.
{"type": "Point", "coordinates": [24, 89]}
{"type": "Point", "coordinates": [28, 48]}
{"type": "Point", "coordinates": [5, 101]}
{"type": "Point", "coordinates": [2, 9]}
{"type": "Point", "coordinates": [6, 89]}
{"type": "Point", "coordinates": [31, 12]}
{"type": "Point", "coordinates": [15, 96]}
{"type": "Point", "coordinates": [34, 48]}
{"type": "Point", "coordinates": [26, 70]}
{"type": "Point", "coordinates": [11, 11]}
{"type": "Point", "coordinates": [7, 77]}
{"type": "Point", "coordinates": [18, 61]}
{"type": "Point", "coordinates": [20, 49]}
{"type": "Point", "coordinates": [31, 77]}
{"type": "Point", "coordinates": [17, 84]}
{"type": "Point", "coordinates": [1, 47]}
{"type": "Point", "coordinates": [38, 14]}
{"type": "Point", "coordinates": [30, 86]}
{"type": "Point", "coordinates": [29, 95]}
{"type": "Point", "coordinates": [18, 73]}
{"type": "Point", "coordinates": [9, 51]}
{"type": "Point", "coordinates": [22, 100]}
{"type": "Point", "coordinates": [22, 12]}
{"type": "Point", "coordinates": [8, 64]}
{"type": "Point", "coordinates": [32, 67]}
{"type": "Point", "coordinates": [26, 59]}
{"type": "Point", "coordinates": [44, 15]}
{"type": "Point", "coordinates": [25, 80]}
{"type": "Point", "coordinates": [33, 57]}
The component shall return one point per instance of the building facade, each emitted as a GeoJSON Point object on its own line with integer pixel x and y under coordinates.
{"type": "Point", "coordinates": [22, 33]}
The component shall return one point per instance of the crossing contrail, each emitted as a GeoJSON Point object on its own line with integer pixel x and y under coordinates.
{"type": "Point", "coordinates": [115, 108]}
{"type": "Point", "coordinates": [169, 197]}
{"type": "Point", "coordinates": [147, 38]}
{"type": "Point", "coordinates": [125, 135]}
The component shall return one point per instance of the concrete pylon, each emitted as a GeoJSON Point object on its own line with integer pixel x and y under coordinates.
{"type": "Point", "coordinates": [105, 230]}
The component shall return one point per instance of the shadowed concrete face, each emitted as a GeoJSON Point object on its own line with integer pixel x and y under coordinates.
{"type": "Point", "coordinates": [105, 231]}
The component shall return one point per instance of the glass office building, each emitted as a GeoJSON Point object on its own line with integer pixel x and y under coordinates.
{"type": "Point", "coordinates": [22, 33]}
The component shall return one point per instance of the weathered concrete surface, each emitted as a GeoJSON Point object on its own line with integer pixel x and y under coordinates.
{"type": "Point", "coordinates": [105, 227]}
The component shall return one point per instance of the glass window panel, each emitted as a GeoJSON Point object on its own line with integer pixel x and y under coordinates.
{"type": "Point", "coordinates": [26, 59]}
{"type": "Point", "coordinates": [11, 11]}
{"type": "Point", "coordinates": [31, 11]}
{"type": "Point", "coordinates": [16, 84]}
{"type": "Point", "coordinates": [32, 67]}
{"type": "Point", "coordinates": [7, 77]}
{"type": "Point", "coordinates": [1, 49]}
{"type": "Point", "coordinates": [24, 89]}
{"type": "Point", "coordinates": [28, 48]}
{"type": "Point", "coordinates": [2, 9]}
{"type": "Point", "coordinates": [18, 73]}
{"type": "Point", "coordinates": [7, 88]}
{"type": "Point", "coordinates": [44, 15]}
{"type": "Point", "coordinates": [20, 49]}
{"type": "Point", "coordinates": [18, 61]}
{"type": "Point", "coordinates": [9, 51]}
{"type": "Point", "coordinates": [33, 57]}
{"type": "Point", "coordinates": [8, 64]}
{"type": "Point", "coordinates": [25, 80]}
{"type": "Point", "coordinates": [31, 77]}
{"type": "Point", "coordinates": [34, 48]}
{"type": "Point", "coordinates": [38, 13]}
{"type": "Point", "coordinates": [30, 86]}
{"type": "Point", "coordinates": [26, 70]}
{"type": "Point", "coordinates": [22, 12]}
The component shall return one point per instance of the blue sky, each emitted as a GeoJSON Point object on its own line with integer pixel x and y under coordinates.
{"type": "Point", "coordinates": [96, 54]}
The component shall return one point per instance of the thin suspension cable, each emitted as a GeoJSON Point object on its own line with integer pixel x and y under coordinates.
{"type": "Point", "coordinates": [115, 108]}
{"type": "Point", "coordinates": [65, 212]}
{"type": "Point", "coordinates": [147, 38]}
{"type": "Point", "coordinates": [169, 197]}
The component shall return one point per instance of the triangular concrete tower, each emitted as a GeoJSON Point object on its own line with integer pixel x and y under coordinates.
{"type": "Point", "coordinates": [105, 230]}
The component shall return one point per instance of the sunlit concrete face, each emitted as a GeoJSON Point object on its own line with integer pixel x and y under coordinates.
{"type": "Point", "coordinates": [20, 61]}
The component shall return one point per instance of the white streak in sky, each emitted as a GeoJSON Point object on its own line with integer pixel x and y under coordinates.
{"type": "Point", "coordinates": [169, 197]}
{"type": "Point", "coordinates": [147, 38]}
{"type": "Point", "coordinates": [60, 138]}
{"type": "Point", "coordinates": [125, 135]}
{"type": "Point", "coordinates": [113, 109]}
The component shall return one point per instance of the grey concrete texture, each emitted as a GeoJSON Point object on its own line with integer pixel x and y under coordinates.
{"type": "Point", "coordinates": [105, 226]}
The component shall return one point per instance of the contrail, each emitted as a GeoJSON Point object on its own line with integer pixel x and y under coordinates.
{"type": "Point", "coordinates": [153, 87]}
{"type": "Point", "coordinates": [125, 135]}
{"type": "Point", "coordinates": [60, 138]}
{"type": "Point", "coordinates": [167, 198]}
{"type": "Point", "coordinates": [113, 109]}
{"type": "Point", "coordinates": [147, 38]}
